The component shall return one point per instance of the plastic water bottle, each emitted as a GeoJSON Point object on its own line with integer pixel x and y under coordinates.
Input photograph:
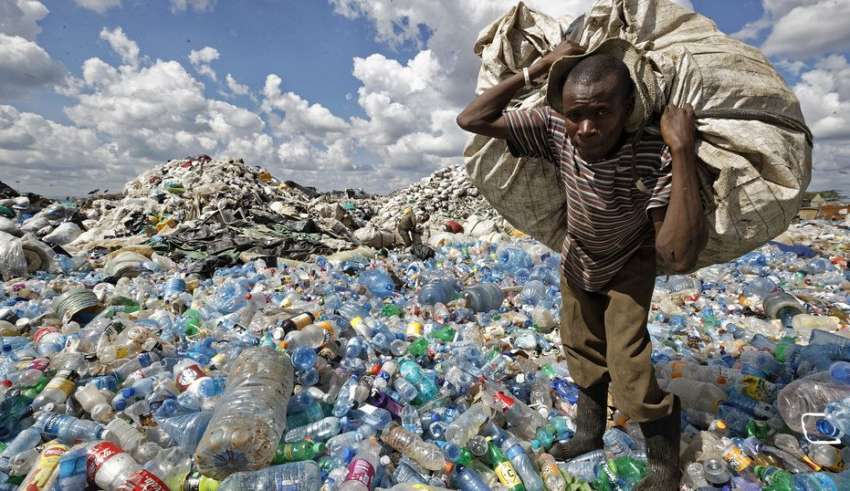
{"type": "Point", "coordinates": [467, 424]}
{"type": "Point", "coordinates": [71, 472]}
{"type": "Point", "coordinates": [113, 469]}
{"type": "Point", "coordinates": [438, 291]}
{"type": "Point", "coordinates": [513, 258]}
{"type": "Point", "coordinates": [320, 430]}
{"type": "Point", "coordinates": [285, 477]}
{"type": "Point", "coordinates": [466, 479]}
{"type": "Point", "coordinates": [522, 464]}
{"type": "Point", "coordinates": [618, 443]}
{"type": "Point", "coordinates": [378, 282]}
{"type": "Point", "coordinates": [584, 466]}
{"type": "Point", "coordinates": [58, 389]}
{"type": "Point", "coordinates": [68, 428]}
{"type": "Point", "coordinates": [336, 444]}
{"type": "Point", "coordinates": [426, 387]}
{"type": "Point", "coordinates": [410, 445]}
{"type": "Point", "coordinates": [840, 372]}
{"type": "Point", "coordinates": [552, 477]}
{"type": "Point", "coordinates": [702, 396]}
{"type": "Point", "coordinates": [95, 402]}
{"type": "Point", "coordinates": [533, 293]}
{"type": "Point", "coordinates": [312, 336]}
{"type": "Point", "coordinates": [187, 429]}
{"type": "Point", "coordinates": [483, 297]}
{"type": "Point", "coordinates": [244, 433]}
{"type": "Point", "coordinates": [25, 440]}
{"type": "Point", "coordinates": [362, 468]}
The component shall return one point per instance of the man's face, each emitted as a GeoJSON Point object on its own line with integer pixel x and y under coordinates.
{"type": "Point", "coordinates": [596, 115]}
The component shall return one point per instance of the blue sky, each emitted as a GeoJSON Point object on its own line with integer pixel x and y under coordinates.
{"type": "Point", "coordinates": [329, 93]}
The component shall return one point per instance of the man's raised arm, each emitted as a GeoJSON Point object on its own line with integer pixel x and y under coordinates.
{"type": "Point", "coordinates": [483, 115]}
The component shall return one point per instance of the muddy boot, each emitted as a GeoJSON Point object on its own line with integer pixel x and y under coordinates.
{"type": "Point", "coordinates": [662, 449]}
{"type": "Point", "coordinates": [591, 416]}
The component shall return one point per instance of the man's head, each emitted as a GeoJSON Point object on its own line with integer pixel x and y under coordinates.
{"type": "Point", "coordinates": [598, 97]}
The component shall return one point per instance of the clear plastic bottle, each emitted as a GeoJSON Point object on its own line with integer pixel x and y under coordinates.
{"type": "Point", "coordinates": [438, 291]}
{"type": "Point", "coordinates": [552, 477]}
{"type": "Point", "coordinates": [584, 466]}
{"type": "Point", "coordinates": [292, 476]}
{"type": "Point", "coordinates": [244, 433]}
{"type": "Point", "coordinates": [362, 468]}
{"type": "Point", "coordinates": [701, 396]}
{"type": "Point", "coordinates": [467, 424]}
{"type": "Point", "coordinates": [320, 430]}
{"type": "Point", "coordinates": [410, 445]}
{"type": "Point", "coordinates": [467, 479]}
{"type": "Point", "coordinates": [43, 474]}
{"type": "Point", "coordinates": [113, 469]}
{"type": "Point", "coordinates": [25, 440]}
{"type": "Point", "coordinates": [533, 293]}
{"type": "Point", "coordinates": [483, 297]}
{"type": "Point", "coordinates": [338, 443]}
{"type": "Point", "coordinates": [186, 429]}
{"type": "Point", "coordinates": [523, 420]}
{"type": "Point", "coordinates": [71, 471]}
{"type": "Point", "coordinates": [60, 387]}
{"type": "Point", "coordinates": [95, 402]}
{"type": "Point", "coordinates": [312, 336]}
{"type": "Point", "coordinates": [523, 464]}
{"type": "Point", "coordinates": [68, 428]}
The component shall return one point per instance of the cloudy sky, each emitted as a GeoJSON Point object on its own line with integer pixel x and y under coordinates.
{"type": "Point", "coordinates": [331, 93]}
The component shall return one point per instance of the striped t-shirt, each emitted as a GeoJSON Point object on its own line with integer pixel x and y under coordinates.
{"type": "Point", "coordinates": [607, 202]}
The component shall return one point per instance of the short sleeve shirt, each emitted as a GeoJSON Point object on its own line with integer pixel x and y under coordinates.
{"type": "Point", "coordinates": [608, 202]}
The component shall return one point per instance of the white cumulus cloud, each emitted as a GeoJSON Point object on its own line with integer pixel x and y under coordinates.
{"type": "Point", "coordinates": [123, 46]}
{"type": "Point", "coordinates": [24, 66]}
{"type": "Point", "coordinates": [21, 17]}
{"type": "Point", "coordinates": [201, 59]}
{"type": "Point", "coordinates": [99, 6]}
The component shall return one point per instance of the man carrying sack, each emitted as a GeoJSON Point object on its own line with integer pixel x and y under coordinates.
{"type": "Point", "coordinates": [632, 200]}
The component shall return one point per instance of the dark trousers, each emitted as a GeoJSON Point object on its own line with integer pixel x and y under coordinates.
{"type": "Point", "coordinates": [605, 338]}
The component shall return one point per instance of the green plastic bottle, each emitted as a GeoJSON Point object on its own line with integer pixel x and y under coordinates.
{"type": "Point", "coordinates": [298, 451]}
{"type": "Point", "coordinates": [418, 348]}
{"type": "Point", "coordinates": [192, 322]}
{"type": "Point", "coordinates": [444, 334]}
{"type": "Point", "coordinates": [390, 310]}
{"type": "Point", "coordinates": [619, 472]}
{"type": "Point", "coordinates": [775, 479]}
{"type": "Point", "coordinates": [502, 466]}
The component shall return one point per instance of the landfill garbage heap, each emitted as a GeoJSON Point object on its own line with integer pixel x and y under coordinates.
{"type": "Point", "coordinates": [126, 366]}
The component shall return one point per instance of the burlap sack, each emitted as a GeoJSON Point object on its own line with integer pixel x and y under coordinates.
{"type": "Point", "coordinates": [754, 145]}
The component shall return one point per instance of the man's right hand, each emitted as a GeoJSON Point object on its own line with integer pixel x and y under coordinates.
{"type": "Point", "coordinates": [566, 48]}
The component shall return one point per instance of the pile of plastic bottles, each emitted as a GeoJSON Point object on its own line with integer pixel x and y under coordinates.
{"type": "Point", "coordinates": [360, 373]}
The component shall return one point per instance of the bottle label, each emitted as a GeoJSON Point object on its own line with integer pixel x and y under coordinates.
{"type": "Point", "coordinates": [361, 470]}
{"type": "Point", "coordinates": [507, 475]}
{"type": "Point", "coordinates": [98, 455]}
{"type": "Point", "coordinates": [189, 375]}
{"type": "Point", "coordinates": [52, 422]}
{"type": "Point", "coordinates": [62, 384]}
{"type": "Point", "coordinates": [44, 467]}
{"type": "Point", "coordinates": [41, 332]}
{"type": "Point", "coordinates": [143, 480]}
{"type": "Point", "coordinates": [736, 458]}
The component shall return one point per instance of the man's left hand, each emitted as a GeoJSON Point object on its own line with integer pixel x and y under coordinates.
{"type": "Point", "coordinates": [678, 128]}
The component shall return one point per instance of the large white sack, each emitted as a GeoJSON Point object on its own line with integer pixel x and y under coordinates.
{"type": "Point", "coordinates": [753, 141]}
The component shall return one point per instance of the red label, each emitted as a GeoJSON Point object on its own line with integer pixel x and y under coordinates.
{"type": "Point", "coordinates": [143, 480]}
{"type": "Point", "coordinates": [41, 332]}
{"type": "Point", "coordinates": [189, 375]}
{"type": "Point", "coordinates": [99, 454]}
{"type": "Point", "coordinates": [361, 470]}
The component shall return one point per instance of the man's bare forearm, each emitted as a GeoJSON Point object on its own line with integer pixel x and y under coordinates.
{"type": "Point", "coordinates": [488, 107]}
{"type": "Point", "coordinates": [683, 233]}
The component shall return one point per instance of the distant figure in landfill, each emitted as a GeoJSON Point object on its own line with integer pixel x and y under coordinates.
{"type": "Point", "coordinates": [632, 199]}
{"type": "Point", "coordinates": [407, 228]}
